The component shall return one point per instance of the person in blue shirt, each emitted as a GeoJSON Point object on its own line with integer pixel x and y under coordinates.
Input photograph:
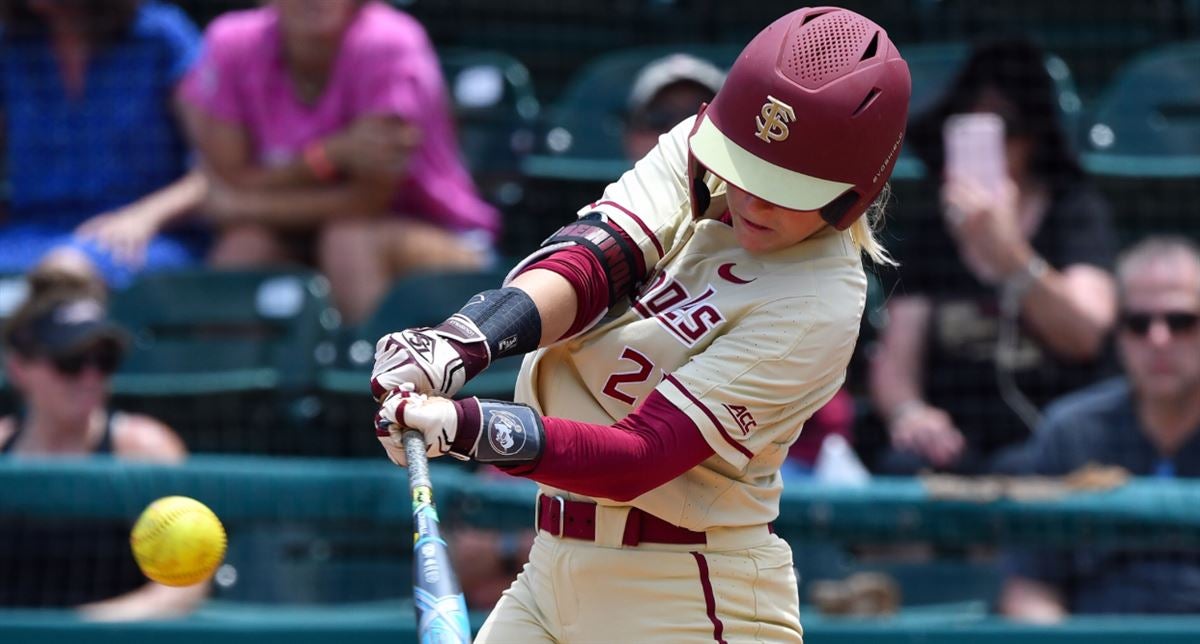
{"type": "Point", "coordinates": [1146, 422]}
{"type": "Point", "coordinates": [95, 158]}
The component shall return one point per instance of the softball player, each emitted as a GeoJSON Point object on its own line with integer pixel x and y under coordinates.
{"type": "Point", "coordinates": [689, 322]}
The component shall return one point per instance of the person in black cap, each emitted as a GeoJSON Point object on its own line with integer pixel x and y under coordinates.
{"type": "Point", "coordinates": [60, 350]}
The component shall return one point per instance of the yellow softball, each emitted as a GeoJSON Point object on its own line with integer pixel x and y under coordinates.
{"type": "Point", "coordinates": [178, 541]}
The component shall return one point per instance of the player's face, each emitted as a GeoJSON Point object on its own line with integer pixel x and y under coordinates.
{"type": "Point", "coordinates": [762, 227]}
{"type": "Point", "coordinates": [1159, 338]}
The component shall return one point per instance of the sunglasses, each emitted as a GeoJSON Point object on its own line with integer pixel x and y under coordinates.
{"type": "Point", "coordinates": [1177, 321]}
{"type": "Point", "coordinates": [105, 360]}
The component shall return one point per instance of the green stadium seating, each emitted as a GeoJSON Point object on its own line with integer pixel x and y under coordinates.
{"type": "Point", "coordinates": [496, 111]}
{"type": "Point", "coordinates": [225, 357]}
{"type": "Point", "coordinates": [1147, 123]}
{"type": "Point", "coordinates": [1143, 144]}
{"type": "Point", "coordinates": [582, 139]}
{"type": "Point", "coordinates": [205, 331]}
{"type": "Point", "coordinates": [1095, 37]}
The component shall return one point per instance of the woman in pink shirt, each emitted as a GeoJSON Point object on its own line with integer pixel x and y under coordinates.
{"type": "Point", "coordinates": [326, 133]}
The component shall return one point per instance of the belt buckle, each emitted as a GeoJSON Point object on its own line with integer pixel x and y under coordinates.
{"type": "Point", "coordinates": [562, 514]}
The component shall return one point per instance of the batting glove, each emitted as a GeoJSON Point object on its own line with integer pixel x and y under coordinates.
{"type": "Point", "coordinates": [436, 418]}
{"type": "Point", "coordinates": [435, 361]}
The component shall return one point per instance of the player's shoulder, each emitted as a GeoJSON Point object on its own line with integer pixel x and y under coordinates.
{"type": "Point", "coordinates": [827, 266]}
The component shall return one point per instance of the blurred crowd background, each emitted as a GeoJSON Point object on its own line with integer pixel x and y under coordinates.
{"type": "Point", "coordinates": [211, 209]}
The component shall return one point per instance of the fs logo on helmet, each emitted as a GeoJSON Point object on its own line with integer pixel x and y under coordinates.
{"type": "Point", "coordinates": [772, 125]}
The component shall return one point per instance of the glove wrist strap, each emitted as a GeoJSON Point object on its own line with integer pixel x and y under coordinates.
{"type": "Point", "coordinates": [470, 343]}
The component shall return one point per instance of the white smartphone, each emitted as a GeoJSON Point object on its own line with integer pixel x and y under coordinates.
{"type": "Point", "coordinates": [974, 146]}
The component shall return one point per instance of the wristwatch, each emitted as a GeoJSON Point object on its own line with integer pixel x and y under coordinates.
{"type": "Point", "coordinates": [1017, 285]}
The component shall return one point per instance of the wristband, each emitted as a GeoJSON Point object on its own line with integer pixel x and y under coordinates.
{"type": "Point", "coordinates": [507, 318]}
{"type": "Point", "coordinates": [497, 432]}
{"type": "Point", "coordinates": [316, 159]}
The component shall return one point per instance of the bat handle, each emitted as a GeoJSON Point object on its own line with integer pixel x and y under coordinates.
{"type": "Point", "coordinates": [418, 462]}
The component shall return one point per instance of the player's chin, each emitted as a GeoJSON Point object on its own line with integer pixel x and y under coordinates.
{"type": "Point", "coordinates": [754, 241]}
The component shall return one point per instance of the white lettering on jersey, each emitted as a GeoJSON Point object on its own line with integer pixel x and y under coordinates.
{"type": "Point", "coordinates": [687, 318]}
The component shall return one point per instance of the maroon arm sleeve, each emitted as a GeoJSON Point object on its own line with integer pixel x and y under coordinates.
{"type": "Point", "coordinates": [649, 447]}
{"type": "Point", "coordinates": [583, 269]}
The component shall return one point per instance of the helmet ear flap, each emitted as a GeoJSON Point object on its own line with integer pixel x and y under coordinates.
{"type": "Point", "coordinates": [701, 197]}
{"type": "Point", "coordinates": [835, 211]}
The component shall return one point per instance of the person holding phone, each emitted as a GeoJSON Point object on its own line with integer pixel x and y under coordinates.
{"type": "Point", "coordinates": [1004, 298]}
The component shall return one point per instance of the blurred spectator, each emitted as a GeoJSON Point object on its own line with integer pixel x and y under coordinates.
{"type": "Point", "coordinates": [60, 351]}
{"type": "Point", "coordinates": [665, 92]}
{"type": "Point", "coordinates": [1003, 301]}
{"type": "Point", "coordinates": [1145, 422]}
{"type": "Point", "coordinates": [96, 160]}
{"type": "Point", "coordinates": [327, 133]}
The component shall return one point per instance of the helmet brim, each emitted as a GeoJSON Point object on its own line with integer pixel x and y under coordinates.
{"type": "Point", "coordinates": [767, 181]}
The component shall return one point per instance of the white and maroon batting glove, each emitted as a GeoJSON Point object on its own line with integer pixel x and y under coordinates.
{"type": "Point", "coordinates": [436, 418]}
{"type": "Point", "coordinates": [435, 361]}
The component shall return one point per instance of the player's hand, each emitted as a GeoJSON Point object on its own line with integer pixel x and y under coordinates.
{"type": "Point", "coordinates": [436, 418]}
{"type": "Point", "coordinates": [432, 360]}
{"type": "Point", "coordinates": [928, 432]}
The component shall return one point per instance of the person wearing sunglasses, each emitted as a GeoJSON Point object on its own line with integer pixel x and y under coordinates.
{"type": "Point", "coordinates": [1146, 422]}
{"type": "Point", "coordinates": [60, 351]}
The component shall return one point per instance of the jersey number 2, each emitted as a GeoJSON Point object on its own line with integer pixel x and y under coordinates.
{"type": "Point", "coordinates": [645, 368]}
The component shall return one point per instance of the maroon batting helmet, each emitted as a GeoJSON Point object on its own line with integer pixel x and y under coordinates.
{"type": "Point", "coordinates": [811, 115]}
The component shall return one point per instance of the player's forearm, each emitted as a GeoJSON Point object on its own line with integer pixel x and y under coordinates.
{"type": "Point", "coordinates": [151, 601]}
{"type": "Point", "coordinates": [555, 300]}
{"type": "Point", "coordinates": [651, 446]}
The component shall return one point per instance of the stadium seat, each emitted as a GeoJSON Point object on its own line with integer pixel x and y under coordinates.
{"type": "Point", "coordinates": [224, 356]}
{"type": "Point", "coordinates": [1143, 144]}
{"type": "Point", "coordinates": [1148, 121]}
{"type": "Point", "coordinates": [496, 111]}
{"type": "Point", "coordinates": [582, 130]}
{"type": "Point", "coordinates": [202, 331]}
{"type": "Point", "coordinates": [1095, 37]}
